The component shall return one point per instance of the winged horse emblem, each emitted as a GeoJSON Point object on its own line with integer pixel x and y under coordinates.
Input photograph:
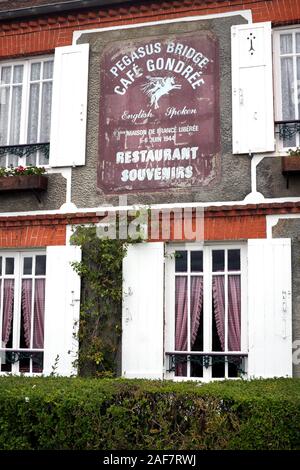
{"type": "Point", "coordinates": [156, 87]}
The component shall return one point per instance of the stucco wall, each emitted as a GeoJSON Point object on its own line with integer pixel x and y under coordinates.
{"type": "Point", "coordinates": [290, 228]}
{"type": "Point", "coordinates": [234, 181]}
{"type": "Point", "coordinates": [22, 201]}
{"type": "Point", "coordinates": [272, 183]}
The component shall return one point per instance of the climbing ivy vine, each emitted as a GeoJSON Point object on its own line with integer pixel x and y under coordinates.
{"type": "Point", "coordinates": [99, 332]}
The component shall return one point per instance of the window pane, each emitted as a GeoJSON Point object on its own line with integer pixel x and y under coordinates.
{"type": "Point", "coordinates": [234, 313]}
{"type": "Point", "coordinates": [286, 43]}
{"type": "Point", "coordinates": [287, 89]}
{"type": "Point", "coordinates": [218, 367]}
{"type": "Point", "coordinates": [27, 266]}
{"type": "Point", "coordinates": [234, 260]}
{"type": "Point", "coordinates": [4, 110]}
{"type": "Point", "coordinates": [5, 75]}
{"type": "Point", "coordinates": [181, 313]}
{"type": "Point", "coordinates": [196, 312]}
{"type": "Point", "coordinates": [37, 363]}
{"type": "Point", "coordinates": [218, 260]}
{"type": "Point", "coordinates": [48, 69]}
{"type": "Point", "coordinates": [39, 308]}
{"type": "Point", "coordinates": [196, 261]}
{"type": "Point", "coordinates": [40, 265]}
{"type": "Point", "coordinates": [180, 261]}
{"type": "Point", "coordinates": [7, 313]}
{"type": "Point", "coordinates": [235, 366]}
{"type": "Point", "coordinates": [181, 322]}
{"type": "Point", "coordinates": [31, 159]}
{"type": "Point", "coordinates": [42, 159]}
{"type": "Point", "coordinates": [12, 160]}
{"type": "Point", "coordinates": [0, 269]}
{"type": "Point", "coordinates": [18, 74]}
{"type": "Point", "coordinates": [298, 85]}
{"type": "Point", "coordinates": [5, 361]}
{"type": "Point", "coordinates": [24, 365]}
{"type": "Point", "coordinates": [9, 265]}
{"type": "Point", "coordinates": [33, 114]}
{"type": "Point", "coordinates": [298, 42]}
{"type": "Point", "coordinates": [46, 112]}
{"type": "Point", "coordinates": [218, 320]}
{"type": "Point", "coordinates": [196, 367]}
{"type": "Point", "coordinates": [35, 72]}
{"type": "Point", "coordinates": [26, 309]}
{"type": "Point", "coordinates": [15, 115]}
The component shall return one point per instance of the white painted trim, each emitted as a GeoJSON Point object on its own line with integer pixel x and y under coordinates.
{"type": "Point", "coordinates": [272, 220]}
{"type": "Point", "coordinates": [283, 28]}
{"type": "Point", "coordinates": [254, 196]}
{"type": "Point", "coordinates": [135, 207]}
{"type": "Point", "coordinates": [247, 14]}
{"type": "Point", "coordinates": [69, 233]}
{"type": "Point", "coordinates": [256, 159]}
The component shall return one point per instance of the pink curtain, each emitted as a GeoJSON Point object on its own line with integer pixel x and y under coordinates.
{"type": "Point", "coordinates": [219, 307]}
{"type": "Point", "coordinates": [196, 306]}
{"type": "Point", "coordinates": [39, 310]}
{"type": "Point", "coordinates": [234, 313]}
{"type": "Point", "coordinates": [181, 313]}
{"type": "Point", "coordinates": [26, 309]}
{"type": "Point", "coordinates": [181, 319]}
{"type": "Point", "coordinates": [8, 303]}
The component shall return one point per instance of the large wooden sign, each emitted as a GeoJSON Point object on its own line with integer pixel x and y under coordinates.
{"type": "Point", "coordinates": [159, 113]}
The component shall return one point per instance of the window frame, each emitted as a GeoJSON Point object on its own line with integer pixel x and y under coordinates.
{"type": "Point", "coordinates": [276, 32]}
{"type": "Point", "coordinates": [169, 333]}
{"type": "Point", "coordinates": [25, 102]}
{"type": "Point", "coordinates": [18, 277]}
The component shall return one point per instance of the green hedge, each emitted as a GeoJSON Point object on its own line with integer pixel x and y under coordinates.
{"type": "Point", "coordinates": [59, 413]}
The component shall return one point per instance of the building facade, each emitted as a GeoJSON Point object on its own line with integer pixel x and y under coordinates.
{"type": "Point", "coordinates": [188, 109]}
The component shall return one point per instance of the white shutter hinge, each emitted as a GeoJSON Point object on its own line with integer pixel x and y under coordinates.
{"type": "Point", "coordinates": [241, 96]}
{"type": "Point", "coordinates": [128, 316]}
{"type": "Point", "coordinates": [129, 292]}
{"type": "Point", "coordinates": [284, 307]}
{"type": "Point", "coordinates": [72, 304]}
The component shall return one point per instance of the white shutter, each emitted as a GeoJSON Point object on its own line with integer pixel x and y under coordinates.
{"type": "Point", "coordinates": [62, 306]}
{"type": "Point", "coordinates": [69, 106]}
{"type": "Point", "coordinates": [252, 88]}
{"type": "Point", "coordinates": [269, 308]}
{"type": "Point", "coordinates": [143, 287]}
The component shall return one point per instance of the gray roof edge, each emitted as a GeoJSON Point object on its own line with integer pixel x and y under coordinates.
{"type": "Point", "coordinates": [61, 7]}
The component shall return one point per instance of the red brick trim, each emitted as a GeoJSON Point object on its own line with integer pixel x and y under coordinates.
{"type": "Point", "coordinates": [41, 35]}
{"type": "Point", "coordinates": [234, 228]}
{"type": "Point", "coordinates": [253, 209]}
{"type": "Point", "coordinates": [237, 222]}
{"type": "Point", "coordinates": [210, 211]}
{"type": "Point", "coordinates": [32, 236]}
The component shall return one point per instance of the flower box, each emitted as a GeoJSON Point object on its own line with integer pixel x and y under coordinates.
{"type": "Point", "coordinates": [23, 183]}
{"type": "Point", "coordinates": [290, 165]}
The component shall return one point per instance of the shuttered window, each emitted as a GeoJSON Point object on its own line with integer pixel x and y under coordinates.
{"type": "Point", "coordinates": [25, 108]}
{"type": "Point", "coordinates": [287, 86]}
{"type": "Point", "coordinates": [206, 336]}
{"type": "Point", "coordinates": [22, 311]}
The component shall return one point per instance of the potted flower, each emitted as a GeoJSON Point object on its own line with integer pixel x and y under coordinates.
{"type": "Point", "coordinates": [23, 178]}
{"type": "Point", "coordinates": [291, 163]}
